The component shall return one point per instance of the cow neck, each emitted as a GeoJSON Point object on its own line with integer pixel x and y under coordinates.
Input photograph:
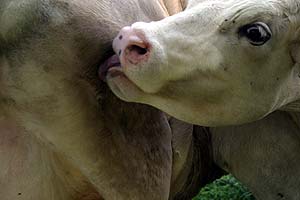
{"type": "Point", "coordinates": [200, 164]}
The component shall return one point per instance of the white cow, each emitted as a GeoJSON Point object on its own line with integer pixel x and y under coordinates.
{"type": "Point", "coordinates": [263, 155]}
{"type": "Point", "coordinates": [219, 62]}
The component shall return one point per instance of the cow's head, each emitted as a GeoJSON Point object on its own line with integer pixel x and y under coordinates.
{"type": "Point", "coordinates": [217, 63]}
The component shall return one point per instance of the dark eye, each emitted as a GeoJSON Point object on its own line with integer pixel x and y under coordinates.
{"type": "Point", "coordinates": [257, 33]}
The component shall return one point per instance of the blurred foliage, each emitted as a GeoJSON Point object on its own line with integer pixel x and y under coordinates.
{"type": "Point", "coordinates": [226, 188]}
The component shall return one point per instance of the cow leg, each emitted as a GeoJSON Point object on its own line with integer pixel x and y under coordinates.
{"type": "Point", "coordinates": [263, 155]}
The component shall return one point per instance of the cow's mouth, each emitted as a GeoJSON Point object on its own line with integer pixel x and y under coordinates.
{"type": "Point", "coordinates": [111, 72]}
{"type": "Point", "coordinates": [111, 63]}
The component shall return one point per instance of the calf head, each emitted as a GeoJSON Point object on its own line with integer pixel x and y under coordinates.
{"type": "Point", "coordinates": [216, 63]}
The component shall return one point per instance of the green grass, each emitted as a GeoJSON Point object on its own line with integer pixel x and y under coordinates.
{"type": "Point", "coordinates": [226, 188]}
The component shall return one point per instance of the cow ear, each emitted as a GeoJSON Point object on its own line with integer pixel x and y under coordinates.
{"type": "Point", "coordinates": [296, 52]}
{"type": "Point", "coordinates": [183, 4]}
{"type": "Point", "coordinates": [174, 6]}
{"type": "Point", "coordinates": [295, 47]}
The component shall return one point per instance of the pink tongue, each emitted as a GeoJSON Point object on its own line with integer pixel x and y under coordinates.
{"type": "Point", "coordinates": [109, 63]}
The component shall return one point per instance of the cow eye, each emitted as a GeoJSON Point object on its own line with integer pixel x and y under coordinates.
{"type": "Point", "coordinates": [257, 33]}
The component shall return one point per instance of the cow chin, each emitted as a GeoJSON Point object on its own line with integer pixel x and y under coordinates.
{"type": "Point", "coordinates": [123, 87]}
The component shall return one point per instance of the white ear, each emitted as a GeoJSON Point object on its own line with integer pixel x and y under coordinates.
{"type": "Point", "coordinates": [183, 4]}
{"type": "Point", "coordinates": [295, 53]}
{"type": "Point", "coordinates": [174, 7]}
{"type": "Point", "coordinates": [295, 47]}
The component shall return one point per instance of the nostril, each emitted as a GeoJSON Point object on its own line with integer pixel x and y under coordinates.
{"type": "Point", "coordinates": [132, 46]}
{"type": "Point", "coordinates": [136, 53]}
{"type": "Point", "coordinates": [139, 50]}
